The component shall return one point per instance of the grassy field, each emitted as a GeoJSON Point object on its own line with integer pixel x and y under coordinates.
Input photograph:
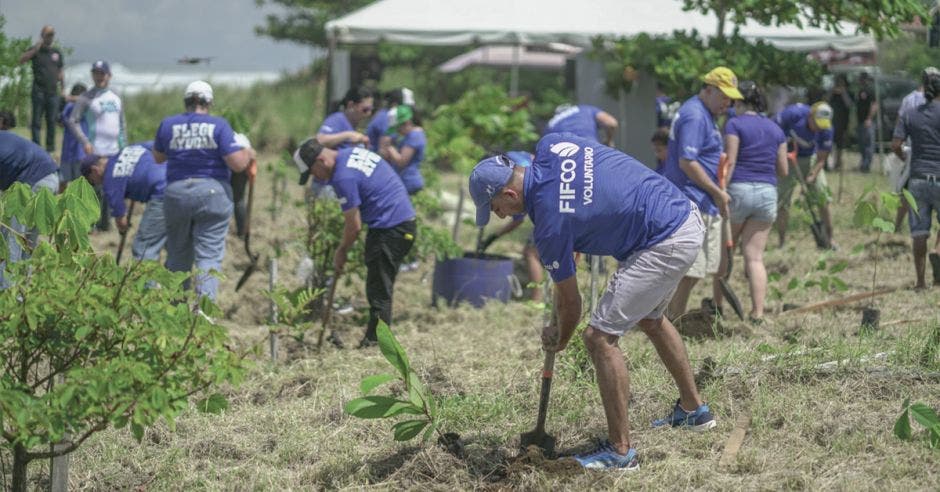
{"type": "Point", "coordinates": [812, 425]}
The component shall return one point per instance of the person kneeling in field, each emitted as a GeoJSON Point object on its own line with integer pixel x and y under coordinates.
{"type": "Point", "coordinates": [133, 174]}
{"type": "Point", "coordinates": [369, 191]}
{"type": "Point", "coordinates": [583, 196]}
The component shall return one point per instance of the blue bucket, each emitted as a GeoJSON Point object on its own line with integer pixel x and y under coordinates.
{"type": "Point", "coordinates": [475, 279]}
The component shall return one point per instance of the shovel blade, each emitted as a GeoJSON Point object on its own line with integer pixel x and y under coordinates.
{"type": "Point", "coordinates": [819, 234]}
{"type": "Point", "coordinates": [248, 271]}
{"type": "Point", "coordinates": [539, 439]}
{"type": "Point", "coordinates": [732, 298]}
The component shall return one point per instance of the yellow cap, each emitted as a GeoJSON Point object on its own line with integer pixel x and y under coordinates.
{"type": "Point", "coordinates": [724, 79]}
{"type": "Point", "coordinates": [822, 115]}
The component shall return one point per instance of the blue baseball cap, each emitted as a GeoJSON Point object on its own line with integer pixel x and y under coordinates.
{"type": "Point", "coordinates": [101, 66]}
{"type": "Point", "coordinates": [488, 177]}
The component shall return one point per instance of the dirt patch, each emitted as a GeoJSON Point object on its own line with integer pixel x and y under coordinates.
{"type": "Point", "coordinates": [698, 325]}
{"type": "Point", "coordinates": [532, 459]}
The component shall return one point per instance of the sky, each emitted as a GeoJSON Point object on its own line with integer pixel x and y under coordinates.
{"type": "Point", "coordinates": [143, 34]}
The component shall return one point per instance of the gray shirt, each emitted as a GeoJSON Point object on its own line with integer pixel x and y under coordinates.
{"type": "Point", "coordinates": [922, 125]}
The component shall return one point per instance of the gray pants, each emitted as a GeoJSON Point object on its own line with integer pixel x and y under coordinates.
{"type": "Point", "coordinates": [197, 212]}
{"type": "Point", "coordinates": [151, 232]}
{"type": "Point", "coordinates": [51, 183]}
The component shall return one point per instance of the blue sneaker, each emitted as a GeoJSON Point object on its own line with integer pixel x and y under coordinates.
{"type": "Point", "coordinates": [699, 420]}
{"type": "Point", "coordinates": [606, 457]}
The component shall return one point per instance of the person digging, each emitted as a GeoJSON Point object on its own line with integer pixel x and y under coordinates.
{"type": "Point", "coordinates": [369, 192]}
{"type": "Point", "coordinates": [586, 197]}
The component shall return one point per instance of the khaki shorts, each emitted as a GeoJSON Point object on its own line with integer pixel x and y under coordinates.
{"type": "Point", "coordinates": [644, 283]}
{"type": "Point", "coordinates": [818, 192]}
{"type": "Point", "coordinates": [709, 256]}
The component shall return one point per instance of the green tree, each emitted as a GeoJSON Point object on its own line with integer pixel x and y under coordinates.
{"type": "Point", "coordinates": [881, 18]}
{"type": "Point", "coordinates": [15, 78]}
{"type": "Point", "coordinates": [87, 344]}
{"type": "Point", "coordinates": [304, 21]}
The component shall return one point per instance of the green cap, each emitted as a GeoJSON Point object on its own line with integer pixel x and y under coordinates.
{"type": "Point", "coordinates": [398, 115]}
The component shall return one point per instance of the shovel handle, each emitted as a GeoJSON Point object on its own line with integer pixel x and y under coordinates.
{"type": "Point", "coordinates": [548, 368]}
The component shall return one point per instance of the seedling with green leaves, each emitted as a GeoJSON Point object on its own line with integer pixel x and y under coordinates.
{"type": "Point", "coordinates": [925, 416]}
{"type": "Point", "coordinates": [420, 403]}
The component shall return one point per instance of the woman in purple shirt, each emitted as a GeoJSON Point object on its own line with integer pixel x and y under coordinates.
{"type": "Point", "coordinates": [338, 130]}
{"type": "Point", "coordinates": [757, 154]}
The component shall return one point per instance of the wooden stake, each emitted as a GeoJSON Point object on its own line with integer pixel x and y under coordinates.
{"type": "Point", "coordinates": [838, 302]}
{"type": "Point", "coordinates": [735, 440]}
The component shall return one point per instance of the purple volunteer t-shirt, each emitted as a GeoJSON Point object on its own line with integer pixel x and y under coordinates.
{"type": "Point", "coordinates": [411, 174]}
{"type": "Point", "coordinates": [759, 138]}
{"type": "Point", "coordinates": [195, 145]}
{"type": "Point", "coordinates": [694, 136]}
{"type": "Point", "coordinates": [793, 121]}
{"type": "Point", "coordinates": [72, 150]}
{"type": "Point", "coordinates": [580, 120]}
{"type": "Point", "coordinates": [363, 179]}
{"type": "Point", "coordinates": [337, 123]}
{"type": "Point", "coordinates": [376, 129]}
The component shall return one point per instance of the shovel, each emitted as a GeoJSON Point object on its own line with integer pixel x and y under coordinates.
{"type": "Point", "coordinates": [328, 312]}
{"type": "Point", "coordinates": [130, 214]}
{"type": "Point", "coordinates": [538, 437]}
{"type": "Point", "coordinates": [252, 170]}
{"type": "Point", "coordinates": [819, 232]}
{"type": "Point", "coordinates": [726, 289]}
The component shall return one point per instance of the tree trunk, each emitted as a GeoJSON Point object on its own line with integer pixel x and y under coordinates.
{"type": "Point", "coordinates": [20, 460]}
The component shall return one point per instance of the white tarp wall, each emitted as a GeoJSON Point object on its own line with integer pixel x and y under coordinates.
{"type": "Point", "coordinates": [468, 22]}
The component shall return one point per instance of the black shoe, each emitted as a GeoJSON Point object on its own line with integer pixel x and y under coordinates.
{"type": "Point", "coordinates": [935, 266]}
{"type": "Point", "coordinates": [368, 342]}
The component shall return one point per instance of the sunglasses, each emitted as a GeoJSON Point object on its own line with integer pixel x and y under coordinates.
{"type": "Point", "coordinates": [367, 109]}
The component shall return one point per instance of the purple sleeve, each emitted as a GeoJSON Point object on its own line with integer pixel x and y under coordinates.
{"type": "Point", "coordinates": [555, 243]}
{"type": "Point", "coordinates": [114, 190]}
{"type": "Point", "coordinates": [415, 140]}
{"type": "Point", "coordinates": [731, 127]}
{"type": "Point", "coordinates": [226, 139]}
{"type": "Point", "coordinates": [690, 136]}
{"type": "Point", "coordinates": [347, 192]}
{"type": "Point", "coordinates": [329, 126]}
{"type": "Point", "coordinates": [900, 129]}
{"type": "Point", "coordinates": [161, 138]}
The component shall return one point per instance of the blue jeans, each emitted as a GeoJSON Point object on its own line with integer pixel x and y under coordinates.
{"type": "Point", "coordinates": [50, 182]}
{"type": "Point", "coordinates": [927, 195]}
{"type": "Point", "coordinates": [866, 145]}
{"type": "Point", "coordinates": [151, 232]}
{"type": "Point", "coordinates": [197, 212]}
{"type": "Point", "coordinates": [44, 104]}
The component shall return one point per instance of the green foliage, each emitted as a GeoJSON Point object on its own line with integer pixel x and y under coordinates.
{"type": "Point", "coordinates": [823, 276]}
{"type": "Point", "coordinates": [236, 119]}
{"type": "Point", "coordinates": [420, 401]}
{"type": "Point", "coordinates": [925, 416]}
{"type": "Point", "coordinates": [325, 223]}
{"type": "Point", "coordinates": [882, 18]}
{"type": "Point", "coordinates": [482, 122]}
{"type": "Point", "coordinates": [678, 61]}
{"type": "Point", "coordinates": [16, 78]}
{"type": "Point", "coordinates": [432, 240]}
{"type": "Point", "coordinates": [304, 21]}
{"type": "Point", "coordinates": [295, 308]}
{"type": "Point", "coordinates": [906, 54]}
{"type": "Point", "coordinates": [270, 112]}
{"type": "Point", "coordinates": [86, 343]}
{"type": "Point", "coordinates": [875, 211]}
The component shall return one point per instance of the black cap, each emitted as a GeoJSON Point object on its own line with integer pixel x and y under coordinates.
{"type": "Point", "coordinates": [305, 156]}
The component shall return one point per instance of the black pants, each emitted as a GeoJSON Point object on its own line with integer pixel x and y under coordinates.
{"type": "Point", "coordinates": [385, 250]}
{"type": "Point", "coordinates": [44, 104]}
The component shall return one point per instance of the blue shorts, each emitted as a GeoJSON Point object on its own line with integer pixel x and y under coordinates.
{"type": "Point", "coordinates": [927, 195]}
{"type": "Point", "coordinates": [753, 201]}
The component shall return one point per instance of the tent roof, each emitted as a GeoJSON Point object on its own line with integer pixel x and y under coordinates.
{"type": "Point", "coordinates": [505, 55]}
{"type": "Point", "coordinates": [463, 22]}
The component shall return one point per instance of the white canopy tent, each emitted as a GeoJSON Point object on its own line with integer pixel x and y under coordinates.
{"type": "Point", "coordinates": [464, 22]}
{"type": "Point", "coordinates": [541, 22]}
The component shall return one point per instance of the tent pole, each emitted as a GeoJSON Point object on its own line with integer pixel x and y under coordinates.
{"type": "Point", "coordinates": [330, 50]}
{"type": "Point", "coordinates": [514, 72]}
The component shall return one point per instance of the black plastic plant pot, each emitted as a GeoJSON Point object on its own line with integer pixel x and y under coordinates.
{"type": "Point", "coordinates": [870, 318]}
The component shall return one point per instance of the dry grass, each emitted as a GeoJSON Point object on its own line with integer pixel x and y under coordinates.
{"type": "Point", "coordinates": [286, 429]}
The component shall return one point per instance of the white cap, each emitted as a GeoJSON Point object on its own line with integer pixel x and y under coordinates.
{"type": "Point", "coordinates": [407, 96]}
{"type": "Point", "coordinates": [200, 89]}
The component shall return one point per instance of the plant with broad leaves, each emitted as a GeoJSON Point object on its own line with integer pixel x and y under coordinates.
{"type": "Point", "coordinates": [824, 275]}
{"type": "Point", "coordinates": [420, 404]}
{"type": "Point", "coordinates": [875, 211]}
{"type": "Point", "coordinates": [85, 343]}
{"type": "Point", "coordinates": [17, 77]}
{"type": "Point", "coordinates": [925, 416]}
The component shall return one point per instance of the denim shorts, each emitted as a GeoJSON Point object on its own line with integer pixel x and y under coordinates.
{"type": "Point", "coordinates": [927, 195]}
{"type": "Point", "coordinates": [754, 201]}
